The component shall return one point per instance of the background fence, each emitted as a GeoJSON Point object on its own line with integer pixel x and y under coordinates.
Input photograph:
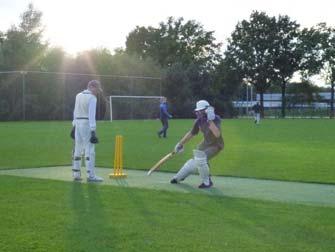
{"type": "Point", "coordinates": [298, 105]}
{"type": "Point", "coordinates": [51, 96]}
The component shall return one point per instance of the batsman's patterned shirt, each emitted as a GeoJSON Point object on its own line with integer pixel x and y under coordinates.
{"type": "Point", "coordinates": [211, 145]}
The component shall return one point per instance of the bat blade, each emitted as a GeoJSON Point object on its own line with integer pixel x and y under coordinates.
{"type": "Point", "coordinates": [160, 162]}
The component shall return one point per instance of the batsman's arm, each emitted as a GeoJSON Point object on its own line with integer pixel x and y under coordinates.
{"type": "Point", "coordinates": [215, 130]}
{"type": "Point", "coordinates": [188, 136]}
{"type": "Point", "coordinates": [180, 145]}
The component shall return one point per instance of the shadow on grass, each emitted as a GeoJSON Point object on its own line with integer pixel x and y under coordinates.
{"type": "Point", "coordinates": [122, 182]}
{"type": "Point", "coordinates": [210, 191]}
{"type": "Point", "coordinates": [139, 203]}
{"type": "Point", "coordinates": [91, 229]}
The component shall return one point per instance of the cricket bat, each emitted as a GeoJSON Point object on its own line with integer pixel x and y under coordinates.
{"type": "Point", "coordinates": [161, 162]}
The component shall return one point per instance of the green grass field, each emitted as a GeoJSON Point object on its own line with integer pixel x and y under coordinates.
{"type": "Point", "coordinates": [42, 215]}
{"type": "Point", "coordinates": [300, 150]}
{"type": "Point", "coordinates": [48, 215]}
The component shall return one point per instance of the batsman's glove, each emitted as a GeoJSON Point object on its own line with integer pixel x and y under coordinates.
{"type": "Point", "coordinates": [178, 148]}
{"type": "Point", "coordinates": [72, 134]}
{"type": "Point", "coordinates": [210, 113]}
{"type": "Point", "coordinates": [94, 139]}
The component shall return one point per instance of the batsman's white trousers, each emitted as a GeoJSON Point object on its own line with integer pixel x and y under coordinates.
{"type": "Point", "coordinates": [200, 163]}
{"type": "Point", "coordinates": [83, 145]}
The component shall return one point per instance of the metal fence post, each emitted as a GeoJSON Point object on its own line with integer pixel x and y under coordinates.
{"type": "Point", "coordinates": [23, 73]}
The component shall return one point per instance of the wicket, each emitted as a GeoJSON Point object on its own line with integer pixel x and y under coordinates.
{"type": "Point", "coordinates": [118, 159]}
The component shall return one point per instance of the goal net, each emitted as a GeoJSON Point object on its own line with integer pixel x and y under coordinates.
{"type": "Point", "coordinates": [124, 107]}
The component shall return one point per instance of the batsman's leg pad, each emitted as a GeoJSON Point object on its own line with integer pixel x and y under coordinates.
{"type": "Point", "coordinates": [200, 158]}
{"type": "Point", "coordinates": [188, 168]}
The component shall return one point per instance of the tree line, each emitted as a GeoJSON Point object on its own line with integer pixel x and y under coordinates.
{"type": "Point", "coordinates": [263, 51]}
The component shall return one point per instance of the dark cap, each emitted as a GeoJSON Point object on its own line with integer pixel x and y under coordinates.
{"type": "Point", "coordinates": [94, 84]}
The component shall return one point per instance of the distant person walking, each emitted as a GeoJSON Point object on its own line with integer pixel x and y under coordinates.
{"type": "Point", "coordinates": [164, 117]}
{"type": "Point", "coordinates": [83, 131]}
{"type": "Point", "coordinates": [257, 112]}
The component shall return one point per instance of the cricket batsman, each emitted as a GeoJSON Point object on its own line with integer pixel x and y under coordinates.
{"type": "Point", "coordinates": [84, 131]}
{"type": "Point", "coordinates": [210, 126]}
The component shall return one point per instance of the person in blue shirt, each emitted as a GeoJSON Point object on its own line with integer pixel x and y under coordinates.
{"type": "Point", "coordinates": [164, 116]}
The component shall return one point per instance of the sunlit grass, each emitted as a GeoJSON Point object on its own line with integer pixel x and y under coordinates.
{"type": "Point", "coordinates": [300, 150]}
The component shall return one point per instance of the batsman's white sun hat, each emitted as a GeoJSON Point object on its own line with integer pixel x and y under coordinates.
{"type": "Point", "coordinates": [201, 105]}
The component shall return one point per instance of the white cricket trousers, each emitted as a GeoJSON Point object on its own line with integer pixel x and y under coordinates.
{"type": "Point", "coordinates": [84, 146]}
{"type": "Point", "coordinates": [257, 117]}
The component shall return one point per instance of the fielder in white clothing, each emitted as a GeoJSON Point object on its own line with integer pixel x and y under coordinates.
{"type": "Point", "coordinates": [209, 124]}
{"type": "Point", "coordinates": [83, 131]}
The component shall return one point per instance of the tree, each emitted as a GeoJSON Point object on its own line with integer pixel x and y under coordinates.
{"type": "Point", "coordinates": [302, 93]}
{"type": "Point", "coordinates": [227, 81]}
{"type": "Point", "coordinates": [251, 50]}
{"type": "Point", "coordinates": [287, 54]}
{"type": "Point", "coordinates": [23, 47]}
{"type": "Point", "coordinates": [311, 47]}
{"type": "Point", "coordinates": [189, 55]}
{"type": "Point", "coordinates": [201, 82]}
{"type": "Point", "coordinates": [177, 88]}
{"type": "Point", "coordinates": [175, 41]}
{"type": "Point", "coordinates": [54, 60]}
{"type": "Point", "coordinates": [2, 38]}
{"type": "Point", "coordinates": [328, 46]}
{"type": "Point", "coordinates": [319, 55]}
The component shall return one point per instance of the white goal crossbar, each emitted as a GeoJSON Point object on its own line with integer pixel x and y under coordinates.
{"type": "Point", "coordinates": [128, 96]}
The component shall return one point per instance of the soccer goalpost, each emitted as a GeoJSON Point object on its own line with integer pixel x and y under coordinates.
{"type": "Point", "coordinates": [133, 107]}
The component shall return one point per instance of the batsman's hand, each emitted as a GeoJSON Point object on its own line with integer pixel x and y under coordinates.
{"type": "Point", "coordinates": [94, 139]}
{"type": "Point", "coordinates": [72, 134]}
{"type": "Point", "coordinates": [210, 113]}
{"type": "Point", "coordinates": [178, 148]}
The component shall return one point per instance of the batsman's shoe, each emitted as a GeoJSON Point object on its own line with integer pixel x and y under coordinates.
{"type": "Point", "coordinates": [77, 178]}
{"type": "Point", "coordinates": [94, 179]}
{"type": "Point", "coordinates": [175, 181]}
{"type": "Point", "coordinates": [204, 186]}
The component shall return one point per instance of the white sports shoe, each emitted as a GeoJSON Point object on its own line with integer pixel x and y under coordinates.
{"type": "Point", "coordinates": [76, 176]}
{"type": "Point", "coordinates": [94, 179]}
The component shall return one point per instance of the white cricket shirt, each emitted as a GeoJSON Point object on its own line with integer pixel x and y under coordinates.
{"type": "Point", "coordinates": [85, 108]}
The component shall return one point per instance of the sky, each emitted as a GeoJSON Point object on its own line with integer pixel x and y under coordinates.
{"type": "Point", "coordinates": [78, 25]}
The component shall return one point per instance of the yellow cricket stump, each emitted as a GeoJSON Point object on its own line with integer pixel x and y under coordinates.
{"type": "Point", "coordinates": [118, 159]}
